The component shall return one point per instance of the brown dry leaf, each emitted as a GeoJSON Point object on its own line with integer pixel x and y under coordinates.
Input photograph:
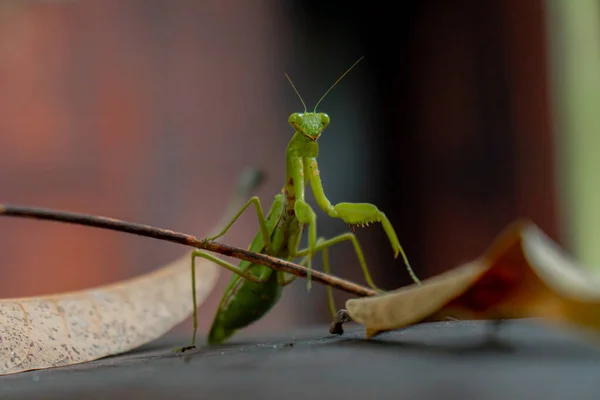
{"type": "Point", "coordinates": [76, 327]}
{"type": "Point", "coordinates": [413, 303]}
{"type": "Point", "coordinates": [72, 328]}
{"type": "Point", "coordinates": [523, 274]}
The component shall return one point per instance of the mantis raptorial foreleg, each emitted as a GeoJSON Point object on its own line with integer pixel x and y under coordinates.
{"type": "Point", "coordinates": [356, 214]}
{"type": "Point", "coordinates": [306, 216]}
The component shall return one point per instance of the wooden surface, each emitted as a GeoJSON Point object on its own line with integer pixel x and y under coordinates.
{"type": "Point", "coordinates": [447, 360]}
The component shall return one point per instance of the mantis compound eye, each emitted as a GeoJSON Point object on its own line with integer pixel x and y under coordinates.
{"type": "Point", "coordinates": [295, 120]}
{"type": "Point", "coordinates": [324, 119]}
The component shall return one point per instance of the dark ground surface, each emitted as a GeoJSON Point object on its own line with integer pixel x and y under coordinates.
{"type": "Point", "coordinates": [444, 360]}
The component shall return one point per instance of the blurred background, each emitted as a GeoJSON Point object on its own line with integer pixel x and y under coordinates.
{"type": "Point", "coordinates": [462, 117]}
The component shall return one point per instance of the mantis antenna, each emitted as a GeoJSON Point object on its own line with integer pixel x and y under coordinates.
{"type": "Point", "coordinates": [336, 82]}
{"type": "Point", "coordinates": [296, 90]}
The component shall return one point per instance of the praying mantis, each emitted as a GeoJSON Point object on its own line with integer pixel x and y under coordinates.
{"type": "Point", "coordinates": [254, 289]}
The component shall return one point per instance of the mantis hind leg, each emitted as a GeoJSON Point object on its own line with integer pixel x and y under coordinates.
{"type": "Point", "coordinates": [246, 274]}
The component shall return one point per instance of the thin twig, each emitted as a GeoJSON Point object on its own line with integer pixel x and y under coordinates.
{"type": "Point", "coordinates": [186, 240]}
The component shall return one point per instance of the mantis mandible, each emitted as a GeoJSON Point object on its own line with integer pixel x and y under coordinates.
{"type": "Point", "coordinates": [254, 289]}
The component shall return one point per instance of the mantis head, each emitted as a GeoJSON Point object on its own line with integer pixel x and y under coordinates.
{"type": "Point", "coordinates": [312, 124]}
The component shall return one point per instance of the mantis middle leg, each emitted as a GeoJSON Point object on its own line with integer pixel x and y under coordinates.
{"type": "Point", "coordinates": [323, 245]}
{"type": "Point", "coordinates": [264, 230]}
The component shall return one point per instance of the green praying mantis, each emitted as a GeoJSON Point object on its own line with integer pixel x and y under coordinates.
{"type": "Point", "coordinates": [254, 289]}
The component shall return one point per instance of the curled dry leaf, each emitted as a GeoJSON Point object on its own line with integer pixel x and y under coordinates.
{"type": "Point", "coordinates": [523, 274]}
{"type": "Point", "coordinates": [72, 328]}
{"type": "Point", "coordinates": [76, 327]}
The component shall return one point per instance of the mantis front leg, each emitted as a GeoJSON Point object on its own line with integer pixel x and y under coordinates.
{"type": "Point", "coordinates": [303, 212]}
{"type": "Point", "coordinates": [306, 216]}
{"type": "Point", "coordinates": [355, 213]}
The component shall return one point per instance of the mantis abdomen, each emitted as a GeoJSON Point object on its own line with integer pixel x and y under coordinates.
{"type": "Point", "coordinates": [245, 301]}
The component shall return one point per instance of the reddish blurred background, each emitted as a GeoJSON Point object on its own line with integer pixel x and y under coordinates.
{"type": "Point", "coordinates": [148, 110]}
